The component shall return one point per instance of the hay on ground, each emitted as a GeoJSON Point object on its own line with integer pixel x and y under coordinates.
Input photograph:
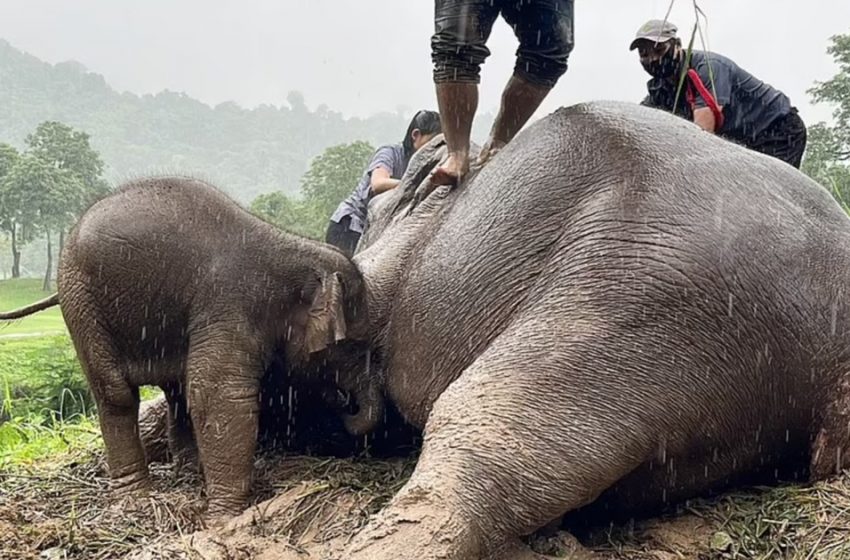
{"type": "Point", "coordinates": [310, 504]}
{"type": "Point", "coordinates": [67, 511]}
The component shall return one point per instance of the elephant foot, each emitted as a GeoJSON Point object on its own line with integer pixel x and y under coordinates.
{"type": "Point", "coordinates": [830, 454]}
{"type": "Point", "coordinates": [415, 526]}
{"type": "Point", "coordinates": [831, 448]}
{"type": "Point", "coordinates": [136, 483]}
{"type": "Point", "coordinates": [221, 510]}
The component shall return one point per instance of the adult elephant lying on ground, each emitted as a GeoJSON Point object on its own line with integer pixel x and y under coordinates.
{"type": "Point", "coordinates": [620, 309]}
{"type": "Point", "coordinates": [168, 282]}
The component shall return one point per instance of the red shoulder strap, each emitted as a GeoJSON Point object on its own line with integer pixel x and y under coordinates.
{"type": "Point", "coordinates": [710, 101]}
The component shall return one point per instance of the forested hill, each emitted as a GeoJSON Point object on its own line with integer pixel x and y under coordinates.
{"type": "Point", "coordinates": [247, 152]}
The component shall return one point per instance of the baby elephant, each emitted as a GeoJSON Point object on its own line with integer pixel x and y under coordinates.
{"type": "Point", "coordinates": [168, 282]}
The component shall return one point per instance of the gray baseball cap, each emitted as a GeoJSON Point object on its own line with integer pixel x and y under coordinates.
{"type": "Point", "coordinates": [655, 30]}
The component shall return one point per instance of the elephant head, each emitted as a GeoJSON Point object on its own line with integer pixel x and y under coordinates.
{"type": "Point", "coordinates": [331, 326]}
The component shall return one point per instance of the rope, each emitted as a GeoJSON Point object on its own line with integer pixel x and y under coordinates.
{"type": "Point", "coordinates": [689, 51]}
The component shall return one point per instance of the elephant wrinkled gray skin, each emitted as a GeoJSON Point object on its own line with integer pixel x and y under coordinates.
{"type": "Point", "coordinates": [619, 309]}
{"type": "Point", "coordinates": [169, 282]}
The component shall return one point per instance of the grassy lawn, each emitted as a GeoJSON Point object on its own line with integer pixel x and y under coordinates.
{"type": "Point", "coordinates": [45, 405]}
{"type": "Point", "coordinates": [46, 409]}
{"type": "Point", "coordinates": [23, 291]}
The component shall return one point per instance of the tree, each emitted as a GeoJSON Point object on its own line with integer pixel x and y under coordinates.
{"type": "Point", "coordinates": [9, 204]}
{"type": "Point", "coordinates": [824, 166]}
{"type": "Point", "coordinates": [282, 211]}
{"type": "Point", "coordinates": [296, 101]}
{"type": "Point", "coordinates": [291, 214]}
{"type": "Point", "coordinates": [61, 146]}
{"type": "Point", "coordinates": [60, 194]}
{"type": "Point", "coordinates": [8, 157]}
{"type": "Point", "coordinates": [5, 245]}
{"type": "Point", "coordinates": [37, 196]}
{"type": "Point", "coordinates": [18, 213]}
{"type": "Point", "coordinates": [837, 92]}
{"type": "Point", "coordinates": [68, 150]}
{"type": "Point", "coordinates": [828, 150]}
{"type": "Point", "coordinates": [12, 211]}
{"type": "Point", "coordinates": [331, 178]}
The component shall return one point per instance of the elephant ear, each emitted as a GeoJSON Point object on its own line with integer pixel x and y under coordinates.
{"type": "Point", "coordinates": [326, 316]}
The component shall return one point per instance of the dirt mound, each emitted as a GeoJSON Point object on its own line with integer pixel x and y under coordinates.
{"type": "Point", "coordinates": [307, 507]}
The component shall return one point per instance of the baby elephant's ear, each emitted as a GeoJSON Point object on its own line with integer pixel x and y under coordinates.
{"type": "Point", "coordinates": [326, 319]}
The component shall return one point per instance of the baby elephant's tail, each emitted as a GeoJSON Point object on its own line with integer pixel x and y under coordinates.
{"type": "Point", "coordinates": [31, 308]}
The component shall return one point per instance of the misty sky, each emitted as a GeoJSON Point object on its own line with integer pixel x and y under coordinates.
{"type": "Point", "coordinates": [364, 56]}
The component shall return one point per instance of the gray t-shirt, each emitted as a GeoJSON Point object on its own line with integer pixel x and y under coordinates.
{"type": "Point", "coordinates": [749, 105]}
{"type": "Point", "coordinates": [391, 158]}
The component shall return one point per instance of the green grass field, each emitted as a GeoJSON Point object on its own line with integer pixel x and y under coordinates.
{"type": "Point", "coordinates": [45, 405]}
{"type": "Point", "coordinates": [23, 291]}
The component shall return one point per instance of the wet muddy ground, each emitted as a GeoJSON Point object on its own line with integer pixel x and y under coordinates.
{"type": "Point", "coordinates": [308, 507]}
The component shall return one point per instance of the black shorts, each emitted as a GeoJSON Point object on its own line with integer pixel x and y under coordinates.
{"type": "Point", "coordinates": [785, 139]}
{"type": "Point", "coordinates": [544, 29]}
{"type": "Point", "coordinates": [339, 235]}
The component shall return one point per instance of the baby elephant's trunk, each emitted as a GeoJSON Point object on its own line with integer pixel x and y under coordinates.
{"type": "Point", "coordinates": [370, 403]}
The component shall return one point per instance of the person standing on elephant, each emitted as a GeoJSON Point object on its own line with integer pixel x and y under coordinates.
{"type": "Point", "coordinates": [458, 48]}
{"type": "Point", "coordinates": [718, 95]}
{"type": "Point", "coordinates": [384, 172]}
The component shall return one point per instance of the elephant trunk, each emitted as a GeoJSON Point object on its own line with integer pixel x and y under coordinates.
{"type": "Point", "coordinates": [356, 303]}
{"type": "Point", "coordinates": [370, 403]}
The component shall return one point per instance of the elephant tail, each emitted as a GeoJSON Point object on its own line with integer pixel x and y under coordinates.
{"type": "Point", "coordinates": [31, 308]}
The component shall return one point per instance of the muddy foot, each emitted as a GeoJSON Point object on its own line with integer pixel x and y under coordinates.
{"type": "Point", "coordinates": [490, 149]}
{"type": "Point", "coordinates": [452, 171]}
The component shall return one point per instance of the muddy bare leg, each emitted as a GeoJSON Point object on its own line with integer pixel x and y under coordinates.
{"type": "Point", "coordinates": [457, 103]}
{"type": "Point", "coordinates": [519, 101]}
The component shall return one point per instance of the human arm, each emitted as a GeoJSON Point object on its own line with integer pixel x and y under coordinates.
{"type": "Point", "coordinates": [380, 171]}
{"type": "Point", "coordinates": [714, 93]}
{"type": "Point", "coordinates": [380, 181]}
{"type": "Point", "coordinates": [704, 117]}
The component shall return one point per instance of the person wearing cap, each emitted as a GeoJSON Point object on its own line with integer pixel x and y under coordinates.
{"type": "Point", "coordinates": [544, 29]}
{"type": "Point", "coordinates": [718, 95]}
{"type": "Point", "coordinates": [382, 174]}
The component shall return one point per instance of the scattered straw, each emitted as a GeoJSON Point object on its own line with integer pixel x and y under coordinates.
{"type": "Point", "coordinates": [65, 510]}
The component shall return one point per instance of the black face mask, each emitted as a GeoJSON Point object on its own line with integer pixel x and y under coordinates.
{"type": "Point", "coordinates": [665, 67]}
